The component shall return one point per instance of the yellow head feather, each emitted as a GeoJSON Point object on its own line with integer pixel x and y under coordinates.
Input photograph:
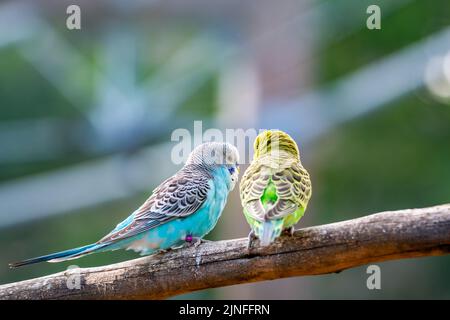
{"type": "Point", "coordinates": [272, 141]}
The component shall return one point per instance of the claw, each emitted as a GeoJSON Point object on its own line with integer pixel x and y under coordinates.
{"type": "Point", "coordinates": [197, 243]}
{"type": "Point", "coordinates": [251, 238]}
{"type": "Point", "coordinates": [194, 241]}
{"type": "Point", "coordinates": [289, 231]}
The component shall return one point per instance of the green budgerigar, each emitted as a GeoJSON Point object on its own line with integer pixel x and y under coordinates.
{"type": "Point", "coordinates": [275, 188]}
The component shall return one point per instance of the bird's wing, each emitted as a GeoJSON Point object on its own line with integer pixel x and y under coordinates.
{"type": "Point", "coordinates": [293, 188]}
{"type": "Point", "coordinates": [252, 186]}
{"type": "Point", "coordinates": [177, 197]}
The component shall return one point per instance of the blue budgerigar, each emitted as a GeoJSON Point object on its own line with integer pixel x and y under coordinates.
{"type": "Point", "coordinates": [182, 209]}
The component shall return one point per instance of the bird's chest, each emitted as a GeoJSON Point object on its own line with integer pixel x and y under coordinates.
{"type": "Point", "coordinates": [211, 211]}
{"type": "Point", "coordinates": [220, 199]}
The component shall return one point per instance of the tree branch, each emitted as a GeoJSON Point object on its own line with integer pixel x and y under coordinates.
{"type": "Point", "coordinates": [317, 250]}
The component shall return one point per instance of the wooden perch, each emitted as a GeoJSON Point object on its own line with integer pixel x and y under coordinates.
{"type": "Point", "coordinates": [317, 250]}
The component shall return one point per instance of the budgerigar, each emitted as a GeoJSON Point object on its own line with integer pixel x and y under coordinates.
{"type": "Point", "coordinates": [275, 188]}
{"type": "Point", "coordinates": [183, 209]}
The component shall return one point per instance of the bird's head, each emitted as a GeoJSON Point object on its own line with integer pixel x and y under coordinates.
{"type": "Point", "coordinates": [271, 141]}
{"type": "Point", "coordinates": [217, 155]}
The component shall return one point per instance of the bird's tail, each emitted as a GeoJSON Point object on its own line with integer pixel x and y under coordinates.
{"type": "Point", "coordinates": [61, 256]}
{"type": "Point", "coordinates": [271, 229]}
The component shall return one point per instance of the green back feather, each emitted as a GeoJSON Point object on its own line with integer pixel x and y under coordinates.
{"type": "Point", "coordinates": [269, 196]}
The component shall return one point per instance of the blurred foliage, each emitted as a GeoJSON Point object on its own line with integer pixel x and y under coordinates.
{"type": "Point", "coordinates": [395, 158]}
{"type": "Point", "coordinates": [36, 97]}
{"type": "Point", "coordinates": [412, 23]}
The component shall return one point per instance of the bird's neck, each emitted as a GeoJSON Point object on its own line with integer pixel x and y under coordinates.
{"type": "Point", "coordinates": [222, 177]}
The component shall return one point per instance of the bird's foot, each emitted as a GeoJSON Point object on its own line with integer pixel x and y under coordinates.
{"type": "Point", "coordinates": [289, 231]}
{"type": "Point", "coordinates": [194, 241]}
{"type": "Point", "coordinates": [251, 239]}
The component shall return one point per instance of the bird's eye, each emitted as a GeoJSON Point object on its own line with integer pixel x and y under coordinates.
{"type": "Point", "coordinates": [231, 169]}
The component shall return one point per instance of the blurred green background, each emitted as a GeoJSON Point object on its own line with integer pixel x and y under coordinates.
{"type": "Point", "coordinates": [86, 118]}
